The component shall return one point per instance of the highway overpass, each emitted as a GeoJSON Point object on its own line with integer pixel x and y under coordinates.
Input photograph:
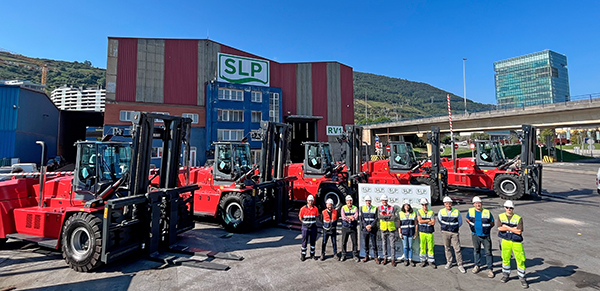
{"type": "Point", "coordinates": [566, 114]}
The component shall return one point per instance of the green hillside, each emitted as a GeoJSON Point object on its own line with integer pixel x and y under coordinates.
{"type": "Point", "coordinates": [60, 72]}
{"type": "Point", "coordinates": [391, 98]}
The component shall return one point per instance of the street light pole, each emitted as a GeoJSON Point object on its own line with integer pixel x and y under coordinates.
{"type": "Point", "coordinates": [465, 84]}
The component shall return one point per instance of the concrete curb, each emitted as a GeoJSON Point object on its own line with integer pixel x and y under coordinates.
{"type": "Point", "coordinates": [570, 171]}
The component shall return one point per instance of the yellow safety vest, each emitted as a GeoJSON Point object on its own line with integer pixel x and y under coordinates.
{"type": "Point", "coordinates": [388, 225]}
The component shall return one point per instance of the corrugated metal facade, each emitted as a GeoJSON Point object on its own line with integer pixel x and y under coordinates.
{"type": "Point", "coordinates": [9, 103]}
{"type": "Point", "coordinates": [181, 71]}
{"type": "Point", "coordinates": [347, 94]}
{"type": "Point", "coordinates": [319, 97]}
{"type": "Point", "coordinates": [126, 70]}
{"type": "Point", "coordinates": [143, 69]}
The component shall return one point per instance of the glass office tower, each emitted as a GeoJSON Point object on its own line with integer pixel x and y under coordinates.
{"type": "Point", "coordinates": [533, 79]}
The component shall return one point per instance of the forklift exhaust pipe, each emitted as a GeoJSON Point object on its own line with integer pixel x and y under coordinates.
{"type": "Point", "coordinates": [42, 173]}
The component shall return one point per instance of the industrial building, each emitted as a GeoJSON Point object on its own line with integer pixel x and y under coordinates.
{"type": "Point", "coordinates": [226, 91]}
{"type": "Point", "coordinates": [26, 116]}
{"type": "Point", "coordinates": [78, 98]}
{"type": "Point", "coordinates": [533, 79]}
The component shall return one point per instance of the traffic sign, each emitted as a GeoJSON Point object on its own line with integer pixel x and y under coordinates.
{"type": "Point", "coordinates": [376, 138]}
{"type": "Point", "coordinates": [388, 148]}
{"type": "Point", "coordinates": [377, 144]}
{"type": "Point", "coordinates": [590, 141]}
{"type": "Point", "coordinates": [472, 146]}
{"type": "Point", "coordinates": [455, 146]}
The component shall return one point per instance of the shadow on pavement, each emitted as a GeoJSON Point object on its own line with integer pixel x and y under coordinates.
{"type": "Point", "coordinates": [111, 283]}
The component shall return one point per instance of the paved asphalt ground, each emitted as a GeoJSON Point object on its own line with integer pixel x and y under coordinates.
{"type": "Point", "coordinates": [561, 245]}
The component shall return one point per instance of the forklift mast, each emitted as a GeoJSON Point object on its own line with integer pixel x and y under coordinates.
{"type": "Point", "coordinates": [354, 150]}
{"type": "Point", "coordinates": [275, 150]}
{"type": "Point", "coordinates": [530, 170]}
{"type": "Point", "coordinates": [436, 167]}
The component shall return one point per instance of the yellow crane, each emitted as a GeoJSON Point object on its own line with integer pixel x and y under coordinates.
{"type": "Point", "coordinates": [43, 67]}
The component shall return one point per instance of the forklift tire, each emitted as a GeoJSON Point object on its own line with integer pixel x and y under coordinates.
{"type": "Point", "coordinates": [337, 194]}
{"type": "Point", "coordinates": [236, 212]}
{"type": "Point", "coordinates": [2, 241]}
{"type": "Point", "coordinates": [82, 241]}
{"type": "Point", "coordinates": [509, 187]}
{"type": "Point", "coordinates": [435, 193]}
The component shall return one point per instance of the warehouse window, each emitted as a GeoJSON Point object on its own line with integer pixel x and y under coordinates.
{"type": "Point", "coordinates": [231, 115]}
{"type": "Point", "coordinates": [230, 134]}
{"type": "Point", "coordinates": [230, 94]}
{"type": "Point", "coordinates": [257, 96]}
{"type": "Point", "coordinates": [274, 107]}
{"type": "Point", "coordinates": [157, 152]}
{"type": "Point", "coordinates": [126, 115]}
{"type": "Point", "coordinates": [256, 116]}
{"type": "Point", "coordinates": [192, 116]}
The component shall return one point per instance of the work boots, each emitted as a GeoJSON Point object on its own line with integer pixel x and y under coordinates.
{"type": "Point", "coordinates": [302, 257]}
{"type": "Point", "coordinates": [433, 265]}
{"type": "Point", "coordinates": [377, 261]}
{"type": "Point", "coordinates": [406, 262]}
{"type": "Point", "coordinates": [366, 259]}
{"type": "Point", "coordinates": [504, 278]}
{"type": "Point", "coordinates": [423, 264]}
{"type": "Point", "coordinates": [322, 257]}
{"type": "Point", "coordinates": [385, 261]}
{"type": "Point", "coordinates": [393, 262]}
{"type": "Point", "coordinates": [413, 263]}
{"type": "Point", "coordinates": [524, 283]}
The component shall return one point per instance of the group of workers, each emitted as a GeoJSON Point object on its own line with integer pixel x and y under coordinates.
{"type": "Point", "coordinates": [383, 219]}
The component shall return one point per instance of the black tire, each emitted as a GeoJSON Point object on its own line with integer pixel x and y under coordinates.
{"type": "Point", "coordinates": [509, 187]}
{"type": "Point", "coordinates": [2, 241]}
{"type": "Point", "coordinates": [435, 192]}
{"type": "Point", "coordinates": [335, 193]}
{"type": "Point", "coordinates": [236, 211]}
{"type": "Point", "coordinates": [82, 241]}
{"type": "Point", "coordinates": [597, 190]}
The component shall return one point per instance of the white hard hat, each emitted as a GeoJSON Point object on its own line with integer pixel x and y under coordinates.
{"type": "Point", "coordinates": [329, 201]}
{"type": "Point", "coordinates": [447, 199]}
{"type": "Point", "coordinates": [367, 198]}
{"type": "Point", "coordinates": [310, 198]}
{"type": "Point", "coordinates": [348, 197]}
{"type": "Point", "coordinates": [423, 201]}
{"type": "Point", "coordinates": [476, 199]}
{"type": "Point", "coordinates": [405, 201]}
{"type": "Point", "coordinates": [509, 203]}
{"type": "Point", "coordinates": [383, 197]}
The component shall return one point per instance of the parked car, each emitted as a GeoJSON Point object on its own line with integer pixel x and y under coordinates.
{"type": "Point", "coordinates": [598, 181]}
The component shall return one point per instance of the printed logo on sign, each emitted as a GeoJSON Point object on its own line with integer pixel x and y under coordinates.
{"type": "Point", "coordinates": [421, 191]}
{"type": "Point", "coordinates": [379, 190]}
{"type": "Point", "coordinates": [406, 191]}
{"type": "Point", "coordinates": [241, 70]}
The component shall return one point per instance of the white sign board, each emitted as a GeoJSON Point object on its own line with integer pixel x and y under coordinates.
{"type": "Point", "coordinates": [396, 195]}
{"type": "Point", "coordinates": [242, 70]}
{"type": "Point", "coordinates": [334, 130]}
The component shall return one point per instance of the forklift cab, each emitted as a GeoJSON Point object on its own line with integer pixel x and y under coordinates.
{"type": "Point", "coordinates": [318, 159]}
{"type": "Point", "coordinates": [489, 154]}
{"type": "Point", "coordinates": [232, 160]}
{"type": "Point", "coordinates": [402, 156]}
{"type": "Point", "coordinates": [99, 164]}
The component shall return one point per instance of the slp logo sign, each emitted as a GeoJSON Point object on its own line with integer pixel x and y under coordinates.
{"type": "Point", "coordinates": [241, 70]}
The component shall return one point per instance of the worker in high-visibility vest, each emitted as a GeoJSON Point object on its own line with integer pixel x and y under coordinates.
{"type": "Point", "coordinates": [450, 221]}
{"type": "Point", "coordinates": [510, 230]}
{"type": "Point", "coordinates": [349, 228]}
{"type": "Point", "coordinates": [308, 216]}
{"type": "Point", "coordinates": [368, 221]}
{"type": "Point", "coordinates": [426, 224]}
{"type": "Point", "coordinates": [330, 217]}
{"type": "Point", "coordinates": [481, 221]}
{"type": "Point", "coordinates": [408, 230]}
{"type": "Point", "coordinates": [387, 226]}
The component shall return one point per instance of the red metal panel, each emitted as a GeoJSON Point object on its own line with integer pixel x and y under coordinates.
{"type": "Point", "coordinates": [229, 50]}
{"type": "Point", "coordinates": [319, 97]}
{"type": "Point", "coordinates": [126, 69]}
{"type": "Point", "coordinates": [288, 88]}
{"type": "Point", "coordinates": [181, 71]}
{"type": "Point", "coordinates": [347, 92]}
{"type": "Point", "coordinates": [275, 74]}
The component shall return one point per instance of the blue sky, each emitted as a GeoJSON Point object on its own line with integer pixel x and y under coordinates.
{"type": "Point", "coordinates": [422, 41]}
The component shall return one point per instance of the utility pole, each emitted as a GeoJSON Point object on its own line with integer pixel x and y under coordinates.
{"type": "Point", "coordinates": [366, 116]}
{"type": "Point", "coordinates": [465, 84]}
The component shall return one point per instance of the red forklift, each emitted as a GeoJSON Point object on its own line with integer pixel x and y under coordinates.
{"type": "Point", "coordinates": [319, 176]}
{"type": "Point", "coordinates": [107, 210]}
{"type": "Point", "coordinates": [401, 168]}
{"type": "Point", "coordinates": [490, 169]}
{"type": "Point", "coordinates": [242, 195]}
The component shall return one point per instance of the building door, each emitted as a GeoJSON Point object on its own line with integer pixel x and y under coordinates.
{"type": "Point", "coordinates": [302, 131]}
